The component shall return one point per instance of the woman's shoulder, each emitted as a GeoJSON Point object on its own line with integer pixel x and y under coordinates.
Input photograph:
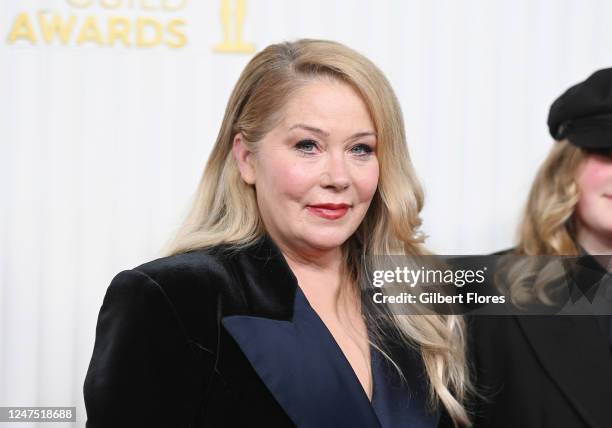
{"type": "Point", "coordinates": [189, 282]}
{"type": "Point", "coordinates": [209, 265]}
{"type": "Point", "coordinates": [197, 275]}
{"type": "Point", "coordinates": [158, 318]}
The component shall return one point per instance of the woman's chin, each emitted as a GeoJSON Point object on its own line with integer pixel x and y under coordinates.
{"type": "Point", "coordinates": [325, 241]}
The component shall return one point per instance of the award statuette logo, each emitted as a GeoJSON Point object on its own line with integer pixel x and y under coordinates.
{"type": "Point", "coordinates": [236, 17]}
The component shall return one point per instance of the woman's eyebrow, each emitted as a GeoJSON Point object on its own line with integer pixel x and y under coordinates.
{"type": "Point", "coordinates": [362, 134]}
{"type": "Point", "coordinates": [326, 134]}
{"type": "Point", "coordinates": [310, 128]}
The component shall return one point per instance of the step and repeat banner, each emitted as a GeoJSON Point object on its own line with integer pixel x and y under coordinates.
{"type": "Point", "coordinates": [109, 108]}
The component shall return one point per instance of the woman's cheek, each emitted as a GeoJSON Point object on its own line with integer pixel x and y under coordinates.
{"type": "Point", "coordinates": [595, 178]}
{"type": "Point", "coordinates": [296, 181]}
{"type": "Point", "coordinates": [595, 175]}
{"type": "Point", "coordinates": [368, 182]}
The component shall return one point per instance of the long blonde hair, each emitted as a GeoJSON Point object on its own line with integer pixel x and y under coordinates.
{"type": "Point", "coordinates": [225, 207]}
{"type": "Point", "coordinates": [547, 226]}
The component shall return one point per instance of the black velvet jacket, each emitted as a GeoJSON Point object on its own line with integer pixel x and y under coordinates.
{"type": "Point", "coordinates": [209, 339]}
{"type": "Point", "coordinates": [541, 371]}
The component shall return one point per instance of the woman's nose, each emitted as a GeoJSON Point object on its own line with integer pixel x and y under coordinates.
{"type": "Point", "coordinates": [335, 173]}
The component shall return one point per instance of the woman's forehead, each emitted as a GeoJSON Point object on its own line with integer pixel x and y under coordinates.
{"type": "Point", "coordinates": [326, 106]}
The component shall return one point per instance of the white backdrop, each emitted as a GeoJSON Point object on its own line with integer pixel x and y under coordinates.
{"type": "Point", "coordinates": [102, 146]}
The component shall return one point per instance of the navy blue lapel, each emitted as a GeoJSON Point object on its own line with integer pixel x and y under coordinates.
{"type": "Point", "coordinates": [303, 368]}
{"type": "Point", "coordinates": [398, 404]}
{"type": "Point", "coordinates": [297, 358]}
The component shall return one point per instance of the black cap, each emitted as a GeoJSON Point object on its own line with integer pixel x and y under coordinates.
{"type": "Point", "coordinates": [583, 114]}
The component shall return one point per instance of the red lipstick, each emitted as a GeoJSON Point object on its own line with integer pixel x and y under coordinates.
{"type": "Point", "coordinates": [329, 211]}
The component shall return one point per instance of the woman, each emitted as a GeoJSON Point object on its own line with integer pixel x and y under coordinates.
{"type": "Point", "coordinates": [256, 316]}
{"type": "Point", "coordinates": [554, 371]}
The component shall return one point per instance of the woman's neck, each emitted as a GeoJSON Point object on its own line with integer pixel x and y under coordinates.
{"type": "Point", "coordinates": [321, 277]}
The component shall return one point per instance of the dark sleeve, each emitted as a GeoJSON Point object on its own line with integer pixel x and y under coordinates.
{"type": "Point", "coordinates": [144, 370]}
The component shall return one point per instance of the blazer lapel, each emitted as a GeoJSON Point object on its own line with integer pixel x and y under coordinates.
{"type": "Point", "coordinates": [290, 348]}
{"type": "Point", "coordinates": [396, 402]}
{"type": "Point", "coordinates": [575, 355]}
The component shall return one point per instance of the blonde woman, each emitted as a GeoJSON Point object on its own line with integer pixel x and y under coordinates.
{"type": "Point", "coordinates": [554, 371]}
{"type": "Point", "coordinates": [256, 317]}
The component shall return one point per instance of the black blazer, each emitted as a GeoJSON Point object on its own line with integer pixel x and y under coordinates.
{"type": "Point", "coordinates": [541, 371]}
{"type": "Point", "coordinates": [208, 339]}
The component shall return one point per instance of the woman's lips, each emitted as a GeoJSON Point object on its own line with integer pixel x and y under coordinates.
{"type": "Point", "coordinates": [329, 211]}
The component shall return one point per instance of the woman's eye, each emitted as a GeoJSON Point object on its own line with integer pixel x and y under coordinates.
{"type": "Point", "coordinates": [362, 149]}
{"type": "Point", "coordinates": [306, 146]}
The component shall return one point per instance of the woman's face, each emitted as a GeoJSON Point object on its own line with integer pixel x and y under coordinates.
{"type": "Point", "coordinates": [316, 172]}
{"type": "Point", "coordinates": [594, 182]}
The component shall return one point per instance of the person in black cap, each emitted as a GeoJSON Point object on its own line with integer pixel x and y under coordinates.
{"type": "Point", "coordinates": [556, 371]}
{"type": "Point", "coordinates": [583, 114]}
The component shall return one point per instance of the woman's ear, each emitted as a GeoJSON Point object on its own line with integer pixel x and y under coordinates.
{"type": "Point", "coordinates": [244, 158]}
